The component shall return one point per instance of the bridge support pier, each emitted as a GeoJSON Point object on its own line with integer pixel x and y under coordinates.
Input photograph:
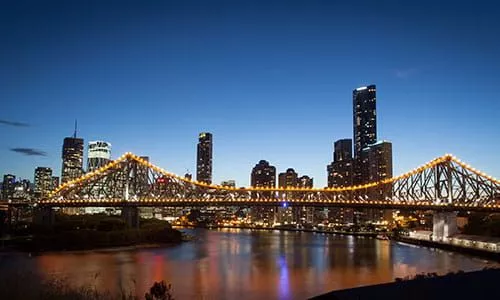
{"type": "Point", "coordinates": [131, 216]}
{"type": "Point", "coordinates": [44, 216]}
{"type": "Point", "coordinates": [444, 225]}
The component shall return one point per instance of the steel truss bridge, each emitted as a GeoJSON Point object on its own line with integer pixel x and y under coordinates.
{"type": "Point", "coordinates": [443, 184]}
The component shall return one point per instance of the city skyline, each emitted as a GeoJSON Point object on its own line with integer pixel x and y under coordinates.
{"type": "Point", "coordinates": [85, 158]}
{"type": "Point", "coordinates": [430, 95]}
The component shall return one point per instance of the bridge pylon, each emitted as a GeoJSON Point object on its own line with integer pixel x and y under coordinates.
{"type": "Point", "coordinates": [131, 216]}
{"type": "Point", "coordinates": [44, 216]}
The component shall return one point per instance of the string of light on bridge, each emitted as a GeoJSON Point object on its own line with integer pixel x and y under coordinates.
{"type": "Point", "coordinates": [127, 156]}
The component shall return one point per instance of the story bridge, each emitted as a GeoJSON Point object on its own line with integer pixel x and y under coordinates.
{"type": "Point", "coordinates": [444, 185]}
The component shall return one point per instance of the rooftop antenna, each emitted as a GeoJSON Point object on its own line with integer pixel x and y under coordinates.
{"type": "Point", "coordinates": [76, 124]}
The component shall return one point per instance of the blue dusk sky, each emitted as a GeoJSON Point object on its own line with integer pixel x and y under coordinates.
{"type": "Point", "coordinates": [271, 80]}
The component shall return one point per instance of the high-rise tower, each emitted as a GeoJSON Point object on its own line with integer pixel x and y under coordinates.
{"type": "Point", "coordinates": [43, 181]}
{"type": "Point", "coordinates": [340, 170]}
{"type": "Point", "coordinates": [99, 154]}
{"type": "Point", "coordinates": [364, 102]}
{"type": "Point", "coordinates": [72, 158]}
{"type": "Point", "coordinates": [204, 158]}
{"type": "Point", "coordinates": [263, 175]}
{"type": "Point", "coordinates": [8, 186]}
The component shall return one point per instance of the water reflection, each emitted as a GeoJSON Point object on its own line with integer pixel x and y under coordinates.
{"type": "Point", "coordinates": [244, 264]}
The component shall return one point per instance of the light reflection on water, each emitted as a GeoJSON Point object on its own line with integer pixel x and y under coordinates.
{"type": "Point", "coordinates": [245, 264]}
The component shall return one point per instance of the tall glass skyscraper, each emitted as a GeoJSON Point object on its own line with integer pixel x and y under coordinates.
{"type": "Point", "coordinates": [204, 158]}
{"type": "Point", "coordinates": [72, 158]}
{"type": "Point", "coordinates": [364, 102]}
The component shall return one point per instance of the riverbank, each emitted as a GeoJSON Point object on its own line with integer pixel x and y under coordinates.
{"type": "Point", "coordinates": [91, 239]}
{"type": "Point", "coordinates": [367, 234]}
{"type": "Point", "coordinates": [449, 247]}
{"type": "Point", "coordinates": [90, 232]}
{"type": "Point", "coordinates": [458, 286]}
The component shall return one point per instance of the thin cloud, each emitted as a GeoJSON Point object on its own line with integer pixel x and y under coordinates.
{"type": "Point", "coordinates": [13, 123]}
{"type": "Point", "coordinates": [405, 73]}
{"type": "Point", "coordinates": [29, 151]}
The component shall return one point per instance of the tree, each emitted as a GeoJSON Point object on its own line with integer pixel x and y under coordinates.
{"type": "Point", "coordinates": [160, 291]}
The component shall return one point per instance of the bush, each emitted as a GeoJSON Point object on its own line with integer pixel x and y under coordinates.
{"type": "Point", "coordinates": [160, 291]}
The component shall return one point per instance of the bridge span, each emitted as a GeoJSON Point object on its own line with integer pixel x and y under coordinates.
{"type": "Point", "coordinates": [445, 185]}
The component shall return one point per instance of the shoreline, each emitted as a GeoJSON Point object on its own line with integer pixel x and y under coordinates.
{"type": "Point", "coordinates": [479, 253]}
{"type": "Point", "coordinates": [369, 234]}
{"type": "Point", "coordinates": [108, 248]}
{"type": "Point", "coordinates": [125, 241]}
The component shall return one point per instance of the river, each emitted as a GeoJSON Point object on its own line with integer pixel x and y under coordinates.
{"type": "Point", "coordinates": [245, 264]}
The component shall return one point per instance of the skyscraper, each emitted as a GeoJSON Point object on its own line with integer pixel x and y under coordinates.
{"type": "Point", "coordinates": [55, 182]}
{"type": "Point", "coordinates": [305, 181]}
{"type": "Point", "coordinates": [364, 117]}
{"type": "Point", "coordinates": [304, 214]}
{"type": "Point", "coordinates": [99, 154]}
{"type": "Point", "coordinates": [379, 161]}
{"type": "Point", "coordinates": [340, 171]}
{"type": "Point", "coordinates": [263, 175]}
{"type": "Point", "coordinates": [8, 186]}
{"type": "Point", "coordinates": [364, 126]}
{"type": "Point", "coordinates": [72, 158]}
{"type": "Point", "coordinates": [204, 158]}
{"type": "Point", "coordinates": [378, 166]}
{"type": "Point", "coordinates": [342, 150]}
{"type": "Point", "coordinates": [43, 181]}
{"type": "Point", "coordinates": [22, 191]}
{"type": "Point", "coordinates": [288, 178]}
{"type": "Point", "coordinates": [340, 174]}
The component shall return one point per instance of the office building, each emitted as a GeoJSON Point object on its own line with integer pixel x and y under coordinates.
{"type": "Point", "coordinates": [340, 174]}
{"type": "Point", "coordinates": [377, 159]}
{"type": "Point", "coordinates": [72, 158]}
{"type": "Point", "coordinates": [99, 154]}
{"type": "Point", "coordinates": [288, 178]}
{"type": "Point", "coordinates": [8, 185]}
{"type": "Point", "coordinates": [364, 117]}
{"type": "Point", "coordinates": [204, 158]}
{"type": "Point", "coordinates": [43, 181]}
{"type": "Point", "coordinates": [23, 191]}
{"type": "Point", "coordinates": [380, 160]}
{"type": "Point", "coordinates": [55, 182]}
{"type": "Point", "coordinates": [228, 183]}
{"type": "Point", "coordinates": [340, 171]}
{"type": "Point", "coordinates": [364, 126]}
{"type": "Point", "coordinates": [342, 150]}
{"type": "Point", "coordinates": [305, 181]}
{"type": "Point", "coordinates": [263, 175]}
{"type": "Point", "coordinates": [304, 214]}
